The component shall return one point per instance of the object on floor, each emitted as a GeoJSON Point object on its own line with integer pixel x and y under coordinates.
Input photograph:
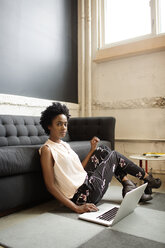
{"type": "Point", "coordinates": [109, 215]}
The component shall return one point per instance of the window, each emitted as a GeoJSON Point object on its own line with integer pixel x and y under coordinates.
{"type": "Point", "coordinates": [161, 16]}
{"type": "Point", "coordinates": [126, 20]}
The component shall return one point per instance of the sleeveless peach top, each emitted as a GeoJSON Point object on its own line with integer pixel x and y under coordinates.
{"type": "Point", "coordinates": [68, 170]}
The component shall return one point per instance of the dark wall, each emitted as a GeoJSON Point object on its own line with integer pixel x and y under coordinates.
{"type": "Point", "coordinates": [38, 49]}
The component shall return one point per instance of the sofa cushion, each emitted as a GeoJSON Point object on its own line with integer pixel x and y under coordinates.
{"type": "Point", "coordinates": [22, 130]}
{"type": "Point", "coordinates": [18, 160]}
{"type": "Point", "coordinates": [80, 147]}
{"type": "Point", "coordinates": [83, 147]}
{"type": "Point", "coordinates": [84, 128]}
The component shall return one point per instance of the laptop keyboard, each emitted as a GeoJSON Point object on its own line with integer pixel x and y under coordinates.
{"type": "Point", "coordinates": [109, 215]}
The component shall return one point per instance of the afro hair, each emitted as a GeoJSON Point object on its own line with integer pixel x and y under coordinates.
{"type": "Point", "coordinates": [51, 112]}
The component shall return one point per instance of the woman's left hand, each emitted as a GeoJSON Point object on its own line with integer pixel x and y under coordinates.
{"type": "Point", "coordinates": [94, 141]}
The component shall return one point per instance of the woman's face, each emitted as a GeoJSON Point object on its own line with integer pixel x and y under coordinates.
{"type": "Point", "coordinates": [58, 128]}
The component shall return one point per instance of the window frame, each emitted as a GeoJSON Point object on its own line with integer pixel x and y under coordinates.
{"type": "Point", "coordinates": [154, 40]}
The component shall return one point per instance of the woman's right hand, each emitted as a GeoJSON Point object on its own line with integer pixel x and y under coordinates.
{"type": "Point", "coordinates": [87, 207]}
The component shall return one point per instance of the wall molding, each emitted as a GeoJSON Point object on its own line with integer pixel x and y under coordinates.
{"type": "Point", "coordinates": [22, 105]}
{"type": "Point", "coordinates": [145, 102]}
{"type": "Point", "coordinates": [139, 140]}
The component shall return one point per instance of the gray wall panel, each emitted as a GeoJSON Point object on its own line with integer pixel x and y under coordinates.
{"type": "Point", "coordinates": [38, 48]}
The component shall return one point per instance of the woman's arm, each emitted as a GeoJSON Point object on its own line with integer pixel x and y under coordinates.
{"type": "Point", "coordinates": [94, 141]}
{"type": "Point", "coordinates": [47, 163]}
{"type": "Point", "coordinates": [86, 159]}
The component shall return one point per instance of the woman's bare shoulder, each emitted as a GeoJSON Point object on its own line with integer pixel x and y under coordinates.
{"type": "Point", "coordinates": [46, 153]}
{"type": "Point", "coordinates": [45, 149]}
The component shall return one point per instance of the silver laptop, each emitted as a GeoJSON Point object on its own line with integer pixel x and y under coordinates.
{"type": "Point", "coordinates": [109, 214]}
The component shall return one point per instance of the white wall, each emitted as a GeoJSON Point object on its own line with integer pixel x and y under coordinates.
{"type": "Point", "coordinates": [133, 90]}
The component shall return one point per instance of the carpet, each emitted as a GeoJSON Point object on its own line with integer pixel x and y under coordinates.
{"type": "Point", "coordinates": [48, 230]}
{"type": "Point", "coordinates": [146, 223]}
{"type": "Point", "coordinates": [157, 203]}
{"type": "Point", "coordinates": [60, 227]}
{"type": "Point", "coordinates": [113, 239]}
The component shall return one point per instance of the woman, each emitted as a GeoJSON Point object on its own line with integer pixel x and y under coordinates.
{"type": "Point", "coordinates": [80, 186]}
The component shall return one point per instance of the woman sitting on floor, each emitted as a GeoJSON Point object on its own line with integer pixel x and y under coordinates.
{"type": "Point", "coordinates": [77, 185]}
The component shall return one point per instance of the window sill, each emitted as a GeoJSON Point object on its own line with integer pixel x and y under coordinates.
{"type": "Point", "coordinates": [151, 45]}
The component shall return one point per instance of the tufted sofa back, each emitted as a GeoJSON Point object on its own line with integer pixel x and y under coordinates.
{"type": "Point", "coordinates": [26, 130]}
{"type": "Point", "coordinates": [21, 130]}
{"type": "Point", "coordinates": [84, 128]}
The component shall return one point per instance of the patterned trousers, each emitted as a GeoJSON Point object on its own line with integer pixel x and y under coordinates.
{"type": "Point", "coordinates": [101, 167]}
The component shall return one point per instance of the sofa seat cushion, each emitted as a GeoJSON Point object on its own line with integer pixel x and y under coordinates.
{"type": "Point", "coordinates": [83, 147]}
{"type": "Point", "coordinates": [15, 160]}
{"type": "Point", "coordinates": [19, 160]}
{"type": "Point", "coordinates": [80, 147]}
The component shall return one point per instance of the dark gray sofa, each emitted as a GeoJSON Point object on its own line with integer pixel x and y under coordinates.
{"type": "Point", "coordinates": [21, 181]}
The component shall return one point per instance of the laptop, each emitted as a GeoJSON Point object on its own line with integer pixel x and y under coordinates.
{"type": "Point", "coordinates": [109, 214]}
